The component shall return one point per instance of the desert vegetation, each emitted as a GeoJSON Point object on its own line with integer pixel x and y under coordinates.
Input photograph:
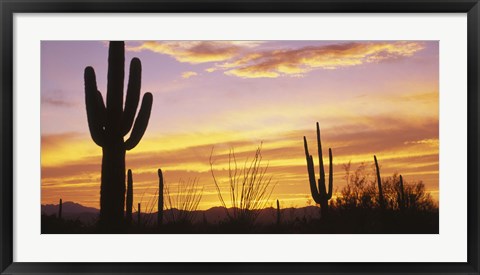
{"type": "Point", "coordinates": [109, 122]}
{"type": "Point", "coordinates": [249, 192]}
{"type": "Point", "coordinates": [368, 202]}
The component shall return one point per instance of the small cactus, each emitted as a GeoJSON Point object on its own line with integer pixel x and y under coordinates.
{"type": "Point", "coordinates": [138, 214]}
{"type": "Point", "coordinates": [129, 198]}
{"type": "Point", "coordinates": [160, 198]}
{"type": "Point", "coordinates": [60, 209]}
{"type": "Point", "coordinates": [320, 195]}
{"type": "Point", "coordinates": [401, 195]}
{"type": "Point", "coordinates": [278, 213]}
{"type": "Point", "coordinates": [381, 199]}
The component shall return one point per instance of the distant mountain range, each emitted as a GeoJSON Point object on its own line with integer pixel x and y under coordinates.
{"type": "Point", "coordinates": [75, 211]}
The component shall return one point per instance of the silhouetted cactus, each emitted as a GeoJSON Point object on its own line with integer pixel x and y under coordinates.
{"type": "Point", "coordinates": [320, 195]}
{"type": "Point", "coordinates": [60, 209]}
{"type": "Point", "coordinates": [129, 207]}
{"type": "Point", "coordinates": [110, 122]}
{"type": "Point", "coordinates": [278, 213]}
{"type": "Point", "coordinates": [401, 195]}
{"type": "Point", "coordinates": [138, 214]}
{"type": "Point", "coordinates": [381, 199]}
{"type": "Point", "coordinates": [160, 198]}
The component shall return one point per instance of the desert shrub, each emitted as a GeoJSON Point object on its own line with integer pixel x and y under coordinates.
{"type": "Point", "coordinates": [182, 203]}
{"type": "Point", "coordinates": [249, 188]}
{"type": "Point", "coordinates": [361, 192]}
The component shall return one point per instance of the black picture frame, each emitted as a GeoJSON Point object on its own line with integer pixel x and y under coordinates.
{"type": "Point", "coordinates": [10, 7]}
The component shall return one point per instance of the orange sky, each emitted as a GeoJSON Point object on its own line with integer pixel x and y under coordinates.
{"type": "Point", "coordinates": [370, 97]}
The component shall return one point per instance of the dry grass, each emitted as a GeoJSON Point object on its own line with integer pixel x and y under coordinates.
{"type": "Point", "coordinates": [182, 203]}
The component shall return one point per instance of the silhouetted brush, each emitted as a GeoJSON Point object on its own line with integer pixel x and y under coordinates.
{"type": "Point", "coordinates": [320, 195]}
{"type": "Point", "coordinates": [60, 209]}
{"type": "Point", "coordinates": [129, 207]}
{"type": "Point", "coordinates": [160, 198]}
{"type": "Point", "coordinates": [381, 199]}
{"type": "Point", "coordinates": [110, 122]}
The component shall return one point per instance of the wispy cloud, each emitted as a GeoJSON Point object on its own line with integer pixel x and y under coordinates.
{"type": "Point", "coordinates": [189, 74]}
{"type": "Point", "coordinates": [246, 60]}
{"type": "Point", "coordinates": [56, 98]}
{"type": "Point", "coordinates": [196, 52]}
{"type": "Point", "coordinates": [429, 141]}
{"type": "Point", "coordinates": [284, 154]}
{"type": "Point", "coordinates": [295, 62]}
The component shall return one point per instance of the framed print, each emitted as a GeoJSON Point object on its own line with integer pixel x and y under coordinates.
{"type": "Point", "coordinates": [240, 137]}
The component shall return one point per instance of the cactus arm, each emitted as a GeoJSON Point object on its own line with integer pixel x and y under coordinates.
{"type": "Point", "coordinates": [141, 122]}
{"type": "Point", "coordinates": [311, 173]}
{"type": "Point", "coordinates": [116, 74]}
{"type": "Point", "coordinates": [305, 145]}
{"type": "Point", "coordinates": [133, 95]}
{"type": "Point", "coordinates": [320, 158]}
{"type": "Point", "coordinates": [330, 175]}
{"type": "Point", "coordinates": [101, 110]}
{"type": "Point", "coordinates": [95, 107]}
{"type": "Point", "coordinates": [321, 181]}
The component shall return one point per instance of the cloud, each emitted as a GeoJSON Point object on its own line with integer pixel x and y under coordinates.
{"type": "Point", "coordinates": [188, 74]}
{"type": "Point", "coordinates": [246, 60]}
{"type": "Point", "coordinates": [296, 62]}
{"type": "Point", "coordinates": [51, 141]}
{"type": "Point", "coordinates": [63, 148]}
{"type": "Point", "coordinates": [196, 52]}
{"type": "Point", "coordinates": [390, 139]}
{"type": "Point", "coordinates": [429, 141]}
{"type": "Point", "coordinates": [56, 98]}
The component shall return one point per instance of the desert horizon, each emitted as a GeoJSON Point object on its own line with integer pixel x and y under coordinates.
{"type": "Point", "coordinates": [209, 111]}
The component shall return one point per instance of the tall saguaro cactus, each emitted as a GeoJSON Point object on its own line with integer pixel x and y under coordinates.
{"type": "Point", "coordinates": [381, 199]}
{"type": "Point", "coordinates": [320, 195]}
{"type": "Point", "coordinates": [129, 207]}
{"type": "Point", "coordinates": [160, 198]}
{"type": "Point", "coordinates": [109, 123]}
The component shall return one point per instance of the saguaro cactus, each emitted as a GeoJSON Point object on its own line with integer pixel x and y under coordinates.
{"type": "Point", "coordinates": [60, 209]}
{"type": "Point", "coordinates": [109, 124]}
{"type": "Point", "coordinates": [160, 198]}
{"type": "Point", "coordinates": [401, 195]}
{"type": "Point", "coordinates": [320, 195]}
{"type": "Point", "coordinates": [138, 213]}
{"type": "Point", "coordinates": [381, 199]}
{"type": "Point", "coordinates": [129, 207]}
{"type": "Point", "coordinates": [278, 213]}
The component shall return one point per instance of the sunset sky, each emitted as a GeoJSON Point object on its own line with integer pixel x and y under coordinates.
{"type": "Point", "coordinates": [370, 97]}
